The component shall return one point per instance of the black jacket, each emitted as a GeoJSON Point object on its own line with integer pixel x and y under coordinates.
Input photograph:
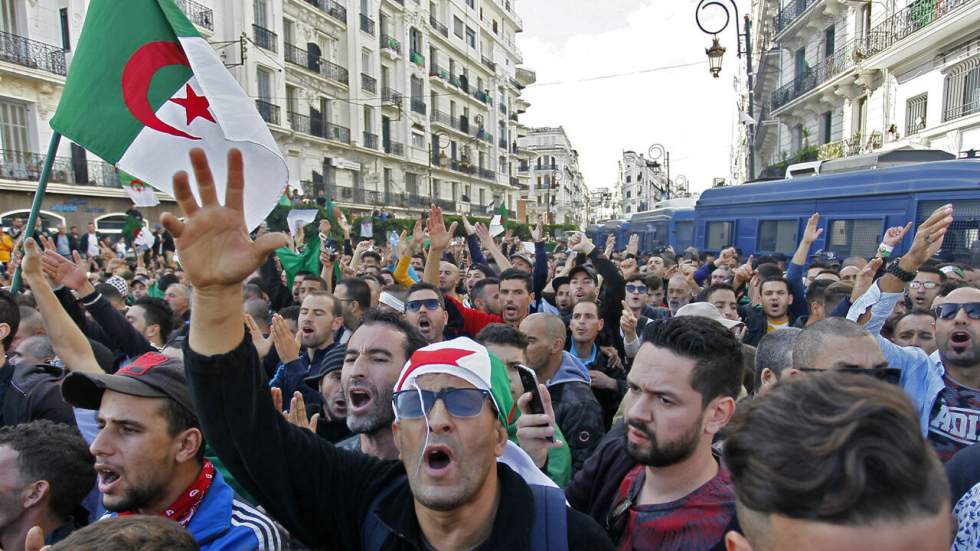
{"type": "Point", "coordinates": [579, 416]}
{"type": "Point", "coordinates": [320, 493]}
{"type": "Point", "coordinates": [593, 488]}
{"type": "Point", "coordinates": [32, 392]}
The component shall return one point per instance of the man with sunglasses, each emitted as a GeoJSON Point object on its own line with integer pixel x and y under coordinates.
{"type": "Point", "coordinates": [448, 491]}
{"type": "Point", "coordinates": [943, 386]}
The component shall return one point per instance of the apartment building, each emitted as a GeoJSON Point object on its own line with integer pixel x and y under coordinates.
{"type": "Point", "coordinates": [556, 188]}
{"type": "Point", "coordinates": [839, 78]}
{"type": "Point", "coordinates": [643, 182]}
{"type": "Point", "coordinates": [376, 103]}
{"type": "Point", "coordinates": [605, 204]}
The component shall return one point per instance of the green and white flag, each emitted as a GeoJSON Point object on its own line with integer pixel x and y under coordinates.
{"type": "Point", "coordinates": [141, 194]}
{"type": "Point", "coordinates": [145, 88]}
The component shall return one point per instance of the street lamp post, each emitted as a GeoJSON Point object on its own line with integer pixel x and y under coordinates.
{"type": "Point", "coordinates": [657, 152]}
{"type": "Point", "coordinates": [716, 52]}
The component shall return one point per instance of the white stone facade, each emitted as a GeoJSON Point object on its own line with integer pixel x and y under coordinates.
{"type": "Point", "coordinates": [556, 188]}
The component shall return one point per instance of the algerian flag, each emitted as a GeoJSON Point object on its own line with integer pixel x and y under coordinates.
{"type": "Point", "coordinates": [294, 263]}
{"type": "Point", "coordinates": [144, 238]}
{"type": "Point", "coordinates": [141, 194]}
{"type": "Point", "coordinates": [131, 229]}
{"type": "Point", "coordinates": [145, 88]}
{"type": "Point", "coordinates": [496, 226]}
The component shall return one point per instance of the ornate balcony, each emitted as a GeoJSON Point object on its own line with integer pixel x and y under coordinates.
{"type": "Point", "coordinates": [31, 53]}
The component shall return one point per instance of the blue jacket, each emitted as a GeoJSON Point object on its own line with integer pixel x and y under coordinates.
{"type": "Point", "coordinates": [290, 377]}
{"type": "Point", "coordinates": [922, 375]}
{"type": "Point", "coordinates": [224, 522]}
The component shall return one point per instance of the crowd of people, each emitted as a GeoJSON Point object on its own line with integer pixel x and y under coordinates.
{"type": "Point", "coordinates": [455, 389]}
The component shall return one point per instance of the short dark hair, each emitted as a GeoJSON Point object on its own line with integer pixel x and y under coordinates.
{"type": "Point", "coordinates": [304, 274]}
{"type": "Point", "coordinates": [318, 279]}
{"type": "Point", "coordinates": [654, 282]}
{"type": "Point", "coordinates": [9, 314]}
{"type": "Point", "coordinates": [837, 448]}
{"type": "Point", "coordinates": [413, 338]}
{"type": "Point", "coordinates": [933, 270]}
{"type": "Point", "coordinates": [916, 312]}
{"type": "Point", "coordinates": [951, 285]}
{"type": "Point", "coordinates": [54, 452]}
{"type": "Point", "coordinates": [816, 292]}
{"type": "Point", "coordinates": [157, 312]}
{"type": "Point", "coordinates": [835, 293]}
{"type": "Point", "coordinates": [423, 286]}
{"type": "Point", "coordinates": [780, 279]}
{"type": "Point", "coordinates": [637, 277]}
{"type": "Point", "coordinates": [180, 419]}
{"type": "Point", "coordinates": [144, 532]}
{"type": "Point", "coordinates": [514, 273]}
{"type": "Point", "coordinates": [769, 271]}
{"type": "Point", "coordinates": [336, 308]}
{"type": "Point", "coordinates": [817, 266]}
{"type": "Point", "coordinates": [371, 254]}
{"type": "Point", "coordinates": [166, 280]}
{"type": "Point", "coordinates": [480, 286]}
{"type": "Point", "coordinates": [712, 289]}
{"type": "Point", "coordinates": [810, 341]}
{"type": "Point", "coordinates": [357, 290]}
{"type": "Point", "coordinates": [290, 312]}
{"type": "Point", "coordinates": [775, 352]}
{"type": "Point", "coordinates": [502, 334]}
{"type": "Point", "coordinates": [715, 350]}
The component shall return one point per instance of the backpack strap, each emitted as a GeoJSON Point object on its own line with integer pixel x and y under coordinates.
{"type": "Point", "coordinates": [374, 533]}
{"type": "Point", "coordinates": [549, 531]}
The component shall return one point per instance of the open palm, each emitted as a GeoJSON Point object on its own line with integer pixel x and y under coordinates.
{"type": "Point", "coordinates": [212, 241]}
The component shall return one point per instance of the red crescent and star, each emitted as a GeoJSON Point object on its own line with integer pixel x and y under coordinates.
{"type": "Point", "coordinates": [443, 356]}
{"type": "Point", "coordinates": [136, 78]}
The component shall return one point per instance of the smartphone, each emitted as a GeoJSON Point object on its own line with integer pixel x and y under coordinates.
{"type": "Point", "coordinates": [529, 380]}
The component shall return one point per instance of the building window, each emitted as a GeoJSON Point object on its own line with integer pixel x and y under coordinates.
{"type": "Point", "coordinates": [495, 29]}
{"type": "Point", "coordinates": [470, 37]}
{"type": "Point", "coordinates": [65, 34]}
{"type": "Point", "coordinates": [14, 132]}
{"type": "Point", "coordinates": [412, 183]}
{"type": "Point", "coordinates": [915, 114]}
{"type": "Point", "coordinates": [458, 26]}
{"type": "Point", "coordinates": [263, 79]}
{"type": "Point", "coordinates": [826, 126]}
{"type": "Point", "coordinates": [471, 4]}
{"type": "Point", "coordinates": [962, 91]}
{"type": "Point", "coordinates": [828, 42]}
{"type": "Point", "coordinates": [797, 138]}
{"type": "Point", "coordinates": [260, 9]}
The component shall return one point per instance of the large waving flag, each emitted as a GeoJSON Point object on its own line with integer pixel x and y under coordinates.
{"type": "Point", "coordinates": [145, 88]}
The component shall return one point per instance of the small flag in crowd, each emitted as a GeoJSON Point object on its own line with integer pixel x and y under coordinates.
{"type": "Point", "coordinates": [145, 88]}
{"type": "Point", "coordinates": [141, 194]}
{"type": "Point", "coordinates": [298, 218]}
{"type": "Point", "coordinates": [132, 227]}
{"type": "Point", "coordinates": [294, 263]}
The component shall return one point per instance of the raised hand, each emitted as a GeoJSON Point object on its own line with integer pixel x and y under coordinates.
{"type": "Point", "coordinates": [627, 322]}
{"type": "Point", "coordinates": [285, 341]}
{"type": "Point", "coordinates": [628, 267]}
{"type": "Point", "coordinates": [610, 245]}
{"type": "Point", "coordinates": [537, 232]}
{"type": "Point", "coordinates": [582, 243]}
{"type": "Point", "coordinates": [812, 232]}
{"type": "Point", "coordinates": [404, 247]}
{"type": "Point", "coordinates": [634, 244]}
{"type": "Point", "coordinates": [894, 236]}
{"type": "Point", "coordinates": [467, 227]}
{"type": "Point", "coordinates": [324, 227]}
{"type": "Point", "coordinates": [439, 236]}
{"type": "Point", "coordinates": [212, 241]}
{"type": "Point", "coordinates": [342, 222]}
{"type": "Point", "coordinates": [928, 238]}
{"type": "Point", "coordinates": [262, 343]}
{"type": "Point", "coordinates": [297, 413]}
{"type": "Point", "coordinates": [725, 258]}
{"type": "Point", "coordinates": [65, 272]}
{"type": "Point", "coordinates": [865, 278]}
{"type": "Point", "coordinates": [536, 432]}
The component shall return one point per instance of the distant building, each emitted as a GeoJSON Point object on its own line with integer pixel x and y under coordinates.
{"type": "Point", "coordinates": [642, 183]}
{"type": "Point", "coordinates": [605, 204]}
{"type": "Point", "coordinates": [837, 79]}
{"type": "Point", "coordinates": [556, 188]}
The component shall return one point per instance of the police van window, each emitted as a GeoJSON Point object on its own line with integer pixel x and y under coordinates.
{"type": "Point", "coordinates": [685, 235]}
{"type": "Point", "coordinates": [719, 235]}
{"type": "Point", "coordinates": [854, 237]}
{"type": "Point", "coordinates": [777, 236]}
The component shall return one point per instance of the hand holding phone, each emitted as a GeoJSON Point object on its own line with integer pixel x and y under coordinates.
{"type": "Point", "coordinates": [529, 381]}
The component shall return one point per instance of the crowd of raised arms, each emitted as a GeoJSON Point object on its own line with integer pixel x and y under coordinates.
{"type": "Point", "coordinates": [460, 392]}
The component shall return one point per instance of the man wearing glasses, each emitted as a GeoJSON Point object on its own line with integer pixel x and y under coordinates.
{"type": "Point", "coordinates": [447, 492]}
{"type": "Point", "coordinates": [925, 287]}
{"type": "Point", "coordinates": [943, 386]}
{"type": "Point", "coordinates": [425, 309]}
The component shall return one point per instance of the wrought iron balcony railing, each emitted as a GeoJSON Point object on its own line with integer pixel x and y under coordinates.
{"type": "Point", "coordinates": [844, 58]}
{"type": "Point", "coordinates": [303, 58]}
{"type": "Point", "coordinates": [331, 8]}
{"type": "Point", "coordinates": [389, 43]}
{"type": "Point", "coordinates": [370, 140]}
{"type": "Point", "coordinates": [443, 30]}
{"type": "Point", "coordinates": [791, 12]}
{"type": "Point", "coordinates": [418, 105]}
{"type": "Point", "coordinates": [31, 53]}
{"type": "Point", "coordinates": [390, 96]}
{"type": "Point", "coordinates": [369, 83]}
{"type": "Point", "coordinates": [367, 24]}
{"type": "Point", "coordinates": [264, 38]}
{"type": "Point", "coordinates": [268, 111]}
{"type": "Point", "coordinates": [20, 165]}
{"type": "Point", "coordinates": [202, 16]}
{"type": "Point", "coordinates": [315, 126]}
{"type": "Point", "coordinates": [908, 21]}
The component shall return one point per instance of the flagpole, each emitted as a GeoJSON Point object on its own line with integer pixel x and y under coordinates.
{"type": "Point", "coordinates": [42, 184]}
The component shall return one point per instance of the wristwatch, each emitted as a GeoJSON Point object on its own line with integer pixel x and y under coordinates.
{"type": "Point", "coordinates": [898, 272]}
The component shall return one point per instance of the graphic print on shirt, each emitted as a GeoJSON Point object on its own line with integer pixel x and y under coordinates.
{"type": "Point", "coordinates": [953, 426]}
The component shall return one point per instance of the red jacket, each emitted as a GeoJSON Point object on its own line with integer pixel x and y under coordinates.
{"type": "Point", "coordinates": [473, 320]}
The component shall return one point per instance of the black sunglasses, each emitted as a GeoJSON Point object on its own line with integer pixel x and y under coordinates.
{"type": "Point", "coordinates": [428, 303]}
{"type": "Point", "coordinates": [636, 288]}
{"type": "Point", "coordinates": [948, 310]}
{"type": "Point", "coordinates": [461, 402]}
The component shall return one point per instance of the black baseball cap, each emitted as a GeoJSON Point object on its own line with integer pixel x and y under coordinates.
{"type": "Point", "coordinates": [583, 268]}
{"type": "Point", "coordinates": [152, 375]}
{"type": "Point", "coordinates": [559, 281]}
{"type": "Point", "coordinates": [332, 361]}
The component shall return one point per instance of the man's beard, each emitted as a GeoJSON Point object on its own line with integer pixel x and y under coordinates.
{"type": "Point", "coordinates": [380, 416]}
{"type": "Point", "coordinates": [667, 454]}
{"type": "Point", "coordinates": [135, 498]}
